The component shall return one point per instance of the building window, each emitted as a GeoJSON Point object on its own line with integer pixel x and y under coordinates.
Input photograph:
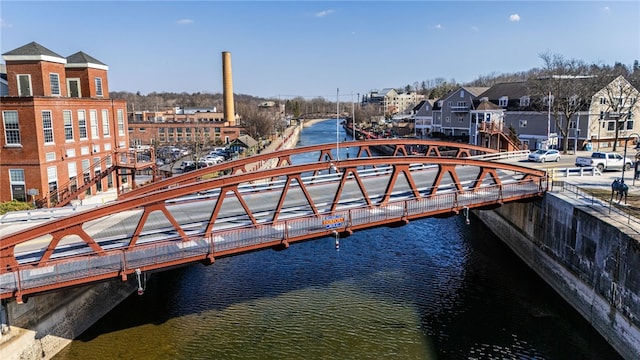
{"type": "Point", "coordinates": [107, 147]}
{"type": "Point", "coordinates": [548, 100]}
{"type": "Point", "coordinates": [525, 101]}
{"type": "Point", "coordinates": [629, 124]}
{"type": "Point", "coordinates": [71, 152]}
{"type": "Point", "coordinates": [460, 119]}
{"type": "Point", "coordinates": [11, 128]}
{"type": "Point", "coordinates": [611, 125]}
{"type": "Point", "coordinates": [98, 86]}
{"type": "Point", "coordinates": [73, 86]}
{"type": "Point", "coordinates": [93, 122]}
{"type": "Point", "coordinates": [105, 123]}
{"type": "Point", "coordinates": [50, 156]}
{"type": "Point", "coordinates": [54, 81]}
{"type": "Point", "coordinates": [68, 125]}
{"type": "Point", "coordinates": [523, 123]}
{"type": "Point", "coordinates": [18, 186]}
{"type": "Point", "coordinates": [447, 119]}
{"type": "Point", "coordinates": [71, 168]}
{"type": "Point", "coordinates": [52, 177]}
{"type": "Point", "coordinates": [24, 85]}
{"type": "Point", "coordinates": [603, 100]}
{"type": "Point", "coordinates": [47, 127]}
{"type": "Point", "coordinates": [82, 124]}
{"type": "Point", "coordinates": [503, 101]}
{"type": "Point", "coordinates": [120, 122]}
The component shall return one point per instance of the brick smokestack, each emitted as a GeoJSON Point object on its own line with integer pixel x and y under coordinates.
{"type": "Point", "coordinates": [227, 89]}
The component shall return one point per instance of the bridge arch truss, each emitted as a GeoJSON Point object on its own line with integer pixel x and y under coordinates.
{"type": "Point", "coordinates": [199, 219]}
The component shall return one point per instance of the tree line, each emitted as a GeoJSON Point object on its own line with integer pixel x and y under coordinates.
{"type": "Point", "coordinates": [557, 75]}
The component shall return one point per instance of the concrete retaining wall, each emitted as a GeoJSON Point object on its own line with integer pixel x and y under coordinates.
{"type": "Point", "coordinates": [588, 257]}
{"type": "Point", "coordinates": [45, 324]}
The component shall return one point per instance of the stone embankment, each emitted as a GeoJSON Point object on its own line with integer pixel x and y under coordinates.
{"type": "Point", "coordinates": [586, 250]}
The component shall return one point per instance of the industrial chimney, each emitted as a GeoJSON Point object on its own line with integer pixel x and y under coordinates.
{"type": "Point", "coordinates": [227, 89]}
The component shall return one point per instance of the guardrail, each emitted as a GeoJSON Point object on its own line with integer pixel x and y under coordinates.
{"type": "Point", "coordinates": [575, 171]}
{"type": "Point", "coordinates": [503, 155]}
{"type": "Point", "coordinates": [561, 186]}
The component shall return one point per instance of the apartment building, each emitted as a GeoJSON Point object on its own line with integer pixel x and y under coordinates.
{"type": "Point", "coordinates": [59, 126]}
{"type": "Point", "coordinates": [392, 102]}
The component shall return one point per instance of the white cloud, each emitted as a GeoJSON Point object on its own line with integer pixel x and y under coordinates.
{"type": "Point", "coordinates": [606, 9]}
{"type": "Point", "coordinates": [514, 17]}
{"type": "Point", "coordinates": [324, 13]}
{"type": "Point", "coordinates": [439, 27]}
{"type": "Point", "coordinates": [4, 24]}
{"type": "Point", "coordinates": [184, 22]}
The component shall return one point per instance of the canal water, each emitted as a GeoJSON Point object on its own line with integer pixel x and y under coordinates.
{"type": "Point", "coordinates": [432, 289]}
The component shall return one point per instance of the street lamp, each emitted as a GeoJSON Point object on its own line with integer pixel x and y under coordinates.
{"type": "Point", "coordinates": [624, 157]}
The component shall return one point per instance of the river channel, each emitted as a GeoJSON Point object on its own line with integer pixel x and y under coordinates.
{"type": "Point", "coordinates": [432, 289]}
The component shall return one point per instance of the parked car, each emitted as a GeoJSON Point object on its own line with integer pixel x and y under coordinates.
{"type": "Point", "coordinates": [605, 161]}
{"type": "Point", "coordinates": [544, 155]}
{"type": "Point", "coordinates": [185, 164]}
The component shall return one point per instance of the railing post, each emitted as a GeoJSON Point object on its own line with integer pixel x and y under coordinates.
{"type": "Point", "coordinates": [123, 265]}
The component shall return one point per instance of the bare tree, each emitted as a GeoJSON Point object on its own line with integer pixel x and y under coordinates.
{"type": "Point", "coordinates": [565, 87]}
{"type": "Point", "coordinates": [257, 123]}
{"type": "Point", "coordinates": [618, 99]}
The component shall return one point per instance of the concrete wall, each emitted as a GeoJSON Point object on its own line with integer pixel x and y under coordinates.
{"type": "Point", "coordinates": [589, 257]}
{"type": "Point", "coordinates": [47, 323]}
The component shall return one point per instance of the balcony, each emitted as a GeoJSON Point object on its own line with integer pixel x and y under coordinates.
{"type": "Point", "coordinates": [460, 108]}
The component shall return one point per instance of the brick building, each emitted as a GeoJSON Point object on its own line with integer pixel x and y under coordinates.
{"type": "Point", "coordinates": [60, 130]}
{"type": "Point", "coordinates": [180, 126]}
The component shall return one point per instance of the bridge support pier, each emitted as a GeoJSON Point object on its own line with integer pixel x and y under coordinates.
{"type": "Point", "coordinates": [4, 319]}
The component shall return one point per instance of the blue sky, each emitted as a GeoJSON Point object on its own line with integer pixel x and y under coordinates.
{"type": "Point", "coordinates": [311, 48]}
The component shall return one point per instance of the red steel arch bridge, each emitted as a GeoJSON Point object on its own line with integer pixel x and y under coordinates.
{"type": "Point", "coordinates": [264, 201]}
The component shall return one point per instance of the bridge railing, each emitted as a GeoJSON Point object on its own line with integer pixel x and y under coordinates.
{"type": "Point", "coordinates": [171, 252]}
{"type": "Point", "coordinates": [596, 202]}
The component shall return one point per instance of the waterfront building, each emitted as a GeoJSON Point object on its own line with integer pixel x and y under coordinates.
{"type": "Point", "coordinates": [60, 129]}
{"type": "Point", "coordinates": [452, 116]}
{"type": "Point", "coordinates": [593, 121]}
{"type": "Point", "coordinates": [178, 126]}
{"type": "Point", "coordinates": [392, 102]}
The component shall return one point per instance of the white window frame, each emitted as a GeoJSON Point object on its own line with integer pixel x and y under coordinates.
{"type": "Point", "coordinates": [93, 120]}
{"type": "Point", "coordinates": [99, 91]}
{"type": "Point", "coordinates": [47, 130]}
{"type": "Point", "coordinates": [525, 101]}
{"type": "Point", "coordinates": [8, 130]}
{"type": "Point", "coordinates": [503, 101]}
{"type": "Point", "coordinates": [16, 177]}
{"type": "Point", "coordinates": [54, 84]}
{"type": "Point", "coordinates": [93, 123]}
{"type": "Point", "coordinates": [106, 131]}
{"type": "Point", "coordinates": [522, 123]}
{"type": "Point", "coordinates": [67, 117]}
{"type": "Point", "coordinates": [120, 115]}
{"type": "Point", "coordinates": [69, 82]}
{"type": "Point", "coordinates": [82, 124]}
{"type": "Point", "coordinates": [72, 169]}
{"type": "Point", "coordinates": [29, 90]}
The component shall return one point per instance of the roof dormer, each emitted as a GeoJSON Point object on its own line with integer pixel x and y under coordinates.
{"type": "Point", "coordinates": [86, 76]}
{"type": "Point", "coordinates": [33, 70]}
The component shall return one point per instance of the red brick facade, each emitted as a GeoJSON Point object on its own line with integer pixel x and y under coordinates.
{"type": "Point", "coordinates": [57, 135]}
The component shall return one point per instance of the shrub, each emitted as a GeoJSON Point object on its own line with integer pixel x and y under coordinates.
{"type": "Point", "coordinates": [14, 205]}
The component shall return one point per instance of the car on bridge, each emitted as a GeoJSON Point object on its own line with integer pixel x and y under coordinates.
{"type": "Point", "coordinates": [542, 155]}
